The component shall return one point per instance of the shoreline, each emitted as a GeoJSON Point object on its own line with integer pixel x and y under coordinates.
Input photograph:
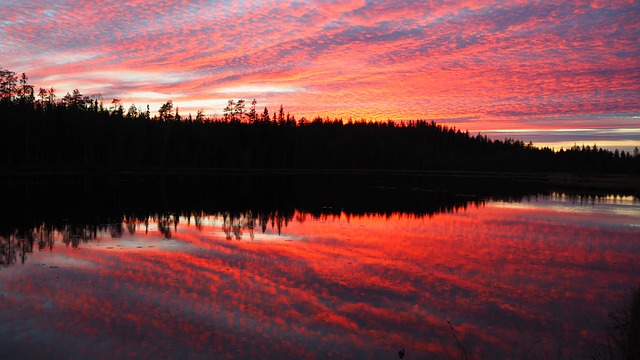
{"type": "Point", "coordinates": [618, 183]}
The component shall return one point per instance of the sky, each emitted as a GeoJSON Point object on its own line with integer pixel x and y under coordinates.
{"type": "Point", "coordinates": [556, 73]}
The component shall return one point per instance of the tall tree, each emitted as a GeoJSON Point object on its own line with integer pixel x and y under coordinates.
{"type": "Point", "coordinates": [25, 91]}
{"type": "Point", "coordinates": [132, 112]}
{"type": "Point", "coordinates": [166, 111]}
{"type": "Point", "coordinates": [239, 110]}
{"type": "Point", "coordinates": [42, 94]}
{"type": "Point", "coordinates": [229, 111]}
{"type": "Point", "coordinates": [200, 115]}
{"type": "Point", "coordinates": [252, 112]}
{"type": "Point", "coordinates": [8, 83]}
{"type": "Point", "coordinates": [281, 115]}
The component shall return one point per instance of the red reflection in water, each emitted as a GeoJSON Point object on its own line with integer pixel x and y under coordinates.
{"type": "Point", "coordinates": [504, 275]}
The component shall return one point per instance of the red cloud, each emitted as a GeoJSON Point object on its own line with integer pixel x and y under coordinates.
{"type": "Point", "coordinates": [378, 60]}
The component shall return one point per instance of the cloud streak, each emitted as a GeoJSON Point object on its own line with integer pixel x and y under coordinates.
{"type": "Point", "coordinates": [361, 59]}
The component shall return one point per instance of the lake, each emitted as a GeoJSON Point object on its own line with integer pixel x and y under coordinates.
{"type": "Point", "coordinates": [454, 274]}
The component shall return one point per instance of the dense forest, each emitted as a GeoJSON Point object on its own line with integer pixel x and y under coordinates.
{"type": "Point", "coordinates": [39, 132]}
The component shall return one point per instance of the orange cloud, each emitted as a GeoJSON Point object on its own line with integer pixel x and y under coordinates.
{"type": "Point", "coordinates": [502, 63]}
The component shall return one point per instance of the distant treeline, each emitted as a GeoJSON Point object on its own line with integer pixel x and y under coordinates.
{"type": "Point", "coordinates": [76, 132]}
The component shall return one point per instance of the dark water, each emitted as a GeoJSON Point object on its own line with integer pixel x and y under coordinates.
{"type": "Point", "coordinates": [342, 272]}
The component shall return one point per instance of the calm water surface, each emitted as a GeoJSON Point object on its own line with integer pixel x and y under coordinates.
{"type": "Point", "coordinates": [498, 279]}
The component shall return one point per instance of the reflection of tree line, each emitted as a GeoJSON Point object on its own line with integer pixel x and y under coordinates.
{"type": "Point", "coordinates": [76, 132]}
{"type": "Point", "coordinates": [16, 245]}
{"type": "Point", "coordinates": [76, 208]}
{"type": "Point", "coordinates": [38, 224]}
{"type": "Point", "coordinates": [234, 224]}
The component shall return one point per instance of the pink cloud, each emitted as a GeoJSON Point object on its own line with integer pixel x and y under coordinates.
{"type": "Point", "coordinates": [379, 60]}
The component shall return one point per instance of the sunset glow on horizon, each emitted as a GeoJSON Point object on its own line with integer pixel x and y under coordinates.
{"type": "Point", "coordinates": [556, 74]}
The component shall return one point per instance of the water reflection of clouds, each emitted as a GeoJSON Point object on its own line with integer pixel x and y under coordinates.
{"type": "Point", "coordinates": [356, 287]}
{"type": "Point", "coordinates": [612, 211]}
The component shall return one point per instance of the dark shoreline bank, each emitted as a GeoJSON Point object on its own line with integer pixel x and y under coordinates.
{"type": "Point", "coordinates": [596, 184]}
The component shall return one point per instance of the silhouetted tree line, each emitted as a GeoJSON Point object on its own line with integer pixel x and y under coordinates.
{"type": "Point", "coordinates": [76, 132]}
